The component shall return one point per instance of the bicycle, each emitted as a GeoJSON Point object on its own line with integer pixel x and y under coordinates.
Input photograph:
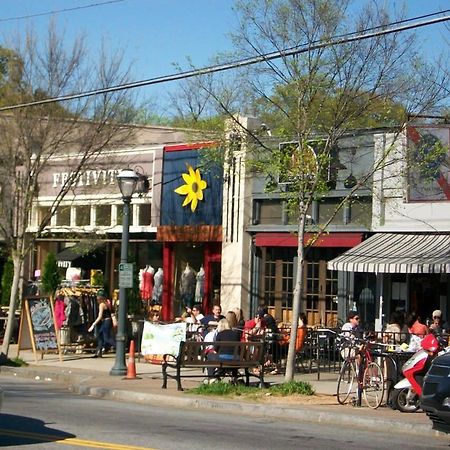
{"type": "Point", "coordinates": [360, 376]}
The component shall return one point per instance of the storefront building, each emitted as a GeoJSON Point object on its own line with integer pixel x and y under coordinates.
{"type": "Point", "coordinates": [85, 231]}
{"type": "Point", "coordinates": [404, 264]}
{"type": "Point", "coordinates": [190, 230]}
{"type": "Point", "coordinates": [274, 239]}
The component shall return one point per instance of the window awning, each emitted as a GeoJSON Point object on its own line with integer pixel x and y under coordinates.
{"type": "Point", "coordinates": [77, 251]}
{"type": "Point", "coordinates": [290, 240]}
{"type": "Point", "coordinates": [397, 253]}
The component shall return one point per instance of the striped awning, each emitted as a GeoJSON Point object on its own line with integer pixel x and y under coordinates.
{"type": "Point", "coordinates": [397, 253]}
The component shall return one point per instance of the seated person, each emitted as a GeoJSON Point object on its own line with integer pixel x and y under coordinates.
{"type": "Point", "coordinates": [395, 331]}
{"type": "Point", "coordinates": [415, 325]}
{"type": "Point", "coordinates": [222, 352]}
{"type": "Point", "coordinates": [255, 327]}
{"type": "Point", "coordinates": [212, 319]}
{"type": "Point", "coordinates": [194, 317]}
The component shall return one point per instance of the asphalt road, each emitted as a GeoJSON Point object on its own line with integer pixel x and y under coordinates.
{"type": "Point", "coordinates": [44, 415]}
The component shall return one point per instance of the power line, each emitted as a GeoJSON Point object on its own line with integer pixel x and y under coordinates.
{"type": "Point", "coordinates": [30, 16]}
{"type": "Point", "coordinates": [351, 37]}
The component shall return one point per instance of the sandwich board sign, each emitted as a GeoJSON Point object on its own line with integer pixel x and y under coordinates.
{"type": "Point", "coordinates": [37, 327]}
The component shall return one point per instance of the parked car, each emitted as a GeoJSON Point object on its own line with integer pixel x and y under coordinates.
{"type": "Point", "coordinates": [1, 399]}
{"type": "Point", "coordinates": [436, 393]}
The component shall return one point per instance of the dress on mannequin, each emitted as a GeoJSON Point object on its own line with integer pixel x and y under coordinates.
{"type": "Point", "coordinates": [200, 285]}
{"type": "Point", "coordinates": [158, 286]}
{"type": "Point", "coordinates": [147, 283]}
{"type": "Point", "coordinates": [187, 286]}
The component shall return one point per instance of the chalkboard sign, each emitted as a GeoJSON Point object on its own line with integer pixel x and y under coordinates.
{"type": "Point", "coordinates": [42, 323]}
{"type": "Point", "coordinates": [37, 325]}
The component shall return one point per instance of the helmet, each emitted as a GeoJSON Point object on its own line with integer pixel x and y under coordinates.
{"type": "Point", "coordinates": [430, 343]}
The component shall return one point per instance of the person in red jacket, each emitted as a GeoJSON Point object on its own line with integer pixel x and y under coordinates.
{"type": "Point", "coordinates": [255, 327]}
{"type": "Point", "coordinates": [415, 326]}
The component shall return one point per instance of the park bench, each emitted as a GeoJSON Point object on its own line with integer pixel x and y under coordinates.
{"type": "Point", "coordinates": [248, 356]}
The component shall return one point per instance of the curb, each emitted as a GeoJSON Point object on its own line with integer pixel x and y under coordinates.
{"type": "Point", "coordinates": [304, 413]}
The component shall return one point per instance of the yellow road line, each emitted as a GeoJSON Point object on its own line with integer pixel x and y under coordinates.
{"type": "Point", "coordinates": [58, 439]}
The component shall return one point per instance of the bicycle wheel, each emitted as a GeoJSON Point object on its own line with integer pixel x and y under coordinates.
{"type": "Point", "coordinates": [347, 383]}
{"type": "Point", "coordinates": [373, 385]}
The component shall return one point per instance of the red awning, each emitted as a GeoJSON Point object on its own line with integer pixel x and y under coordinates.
{"type": "Point", "coordinates": [348, 240]}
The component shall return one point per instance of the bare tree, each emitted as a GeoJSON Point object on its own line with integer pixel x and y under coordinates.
{"type": "Point", "coordinates": [80, 129]}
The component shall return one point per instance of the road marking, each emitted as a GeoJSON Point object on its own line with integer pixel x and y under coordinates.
{"type": "Point", "coordinates": [58, 439]}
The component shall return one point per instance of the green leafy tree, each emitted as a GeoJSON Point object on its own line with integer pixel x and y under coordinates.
{"type": "Point", "coordinates": [51, 278]}
{"type": "Point", "coordinates": [317, 96]}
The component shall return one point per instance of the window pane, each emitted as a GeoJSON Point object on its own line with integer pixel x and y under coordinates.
{"type": "Point", "coordinates": [63, 216]}
{"type": "Point", "coordinates": [329, 208]}
{"type": "Point", "coordinates": [119, 219]}
{"type": "Point", "coordinates": [120, 215]}
{"type": "Point", "coordinates": [361, 212]}
{"type": "Point", "coordinates": [43, 211]}
{"type": "Point", "coordinates": [103, 215]}
{"type": "Point", "coordinates": [83, 217]}
{"type": "Point", "coordinates": [271, 212]}
{"type": "Point", "coordinates": [145, 214]}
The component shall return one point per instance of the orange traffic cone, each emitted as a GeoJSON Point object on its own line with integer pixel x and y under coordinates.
{"type": "Point", "coordinates": [131, 368]}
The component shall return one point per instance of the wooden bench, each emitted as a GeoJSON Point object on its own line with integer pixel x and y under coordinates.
{"type": "Point", "coordinates": [192, 355]}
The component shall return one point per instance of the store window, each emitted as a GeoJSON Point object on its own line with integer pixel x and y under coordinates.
{"type": "Point", "coordinates": [268, 212]}
{"type": "Point", "coordinates": [328, 208]}
{"type": "Point", "coordinates": [145, 214]}
{"type": "Point", "coordinates": [83, 215]}
{"type": "Point", "coordinates": [278, 281]}
{"type": "Point", "coordinates": [43, 213]}
{"type": "Point", "coordinates": [103, 215]}
{"type": "Point", "coordinates": [63, 216]}
{"type": "Point", "coordinates": [361, 212]}
{"type": "Point", "coordinates": [119, 216]}
{"type": "Point", "coordinates": [279, 267]}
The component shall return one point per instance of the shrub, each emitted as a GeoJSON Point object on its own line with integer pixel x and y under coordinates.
{"type": "Point", "coordinates": [51, 277]}
{"type": "Point", "coordinates": [7, 279]}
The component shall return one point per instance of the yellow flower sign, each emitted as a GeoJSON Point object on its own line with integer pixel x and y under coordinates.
{"type": "Point", "coordinates": [193, 189]}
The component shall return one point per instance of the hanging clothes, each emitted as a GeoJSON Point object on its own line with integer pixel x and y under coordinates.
{"type": "Point", "coordinates": [200, 286]}
{"type": "Point", "coordinates": [60, 315]}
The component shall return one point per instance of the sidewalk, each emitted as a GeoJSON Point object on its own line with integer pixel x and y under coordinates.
{"type": "Point", "coordinates": [88, 376]}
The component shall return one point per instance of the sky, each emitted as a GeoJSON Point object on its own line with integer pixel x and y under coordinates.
{"type": "Point", "coordinates": [155, 34]}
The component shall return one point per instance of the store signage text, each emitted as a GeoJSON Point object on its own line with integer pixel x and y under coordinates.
{"type": "Point", "coordinates": [86, 178]}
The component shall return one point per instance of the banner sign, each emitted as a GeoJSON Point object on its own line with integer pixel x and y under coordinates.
{"type": "Point", "coordinates": [162, 339]}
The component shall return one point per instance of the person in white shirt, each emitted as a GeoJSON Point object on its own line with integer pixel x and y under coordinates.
{"type": "Point", "coordinates": [350, 330]}
{"type": "Point", "coordinates": [194, 316]}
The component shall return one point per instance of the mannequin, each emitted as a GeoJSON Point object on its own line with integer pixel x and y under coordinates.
{"type": "Point", "coordinates": [200, 285]}
{"type": "Point", "coordinates": [187, 286]}
{"type": "Point", "coordinates": [157, 286]}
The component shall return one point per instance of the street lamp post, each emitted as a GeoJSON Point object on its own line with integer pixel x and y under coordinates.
{"type": "Point", "coordinates": [127, 180]}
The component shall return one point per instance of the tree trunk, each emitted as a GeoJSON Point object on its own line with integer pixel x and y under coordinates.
{"type": "Point", "coordinates": [18, 262]}
{"type": "Point", "coordinates": [296, 301]}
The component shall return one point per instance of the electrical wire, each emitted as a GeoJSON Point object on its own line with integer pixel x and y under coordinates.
{"type": "Point", "coordinates": [351, 37]}
{"type": "Point", "coordinates": [48, 13]}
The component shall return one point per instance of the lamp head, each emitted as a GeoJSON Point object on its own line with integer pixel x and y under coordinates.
{"type": "Point", "coordinates": [127, 180]}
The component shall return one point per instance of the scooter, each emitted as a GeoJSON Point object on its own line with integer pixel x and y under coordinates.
{"type": "Point", "coordinates": [406, 393]}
